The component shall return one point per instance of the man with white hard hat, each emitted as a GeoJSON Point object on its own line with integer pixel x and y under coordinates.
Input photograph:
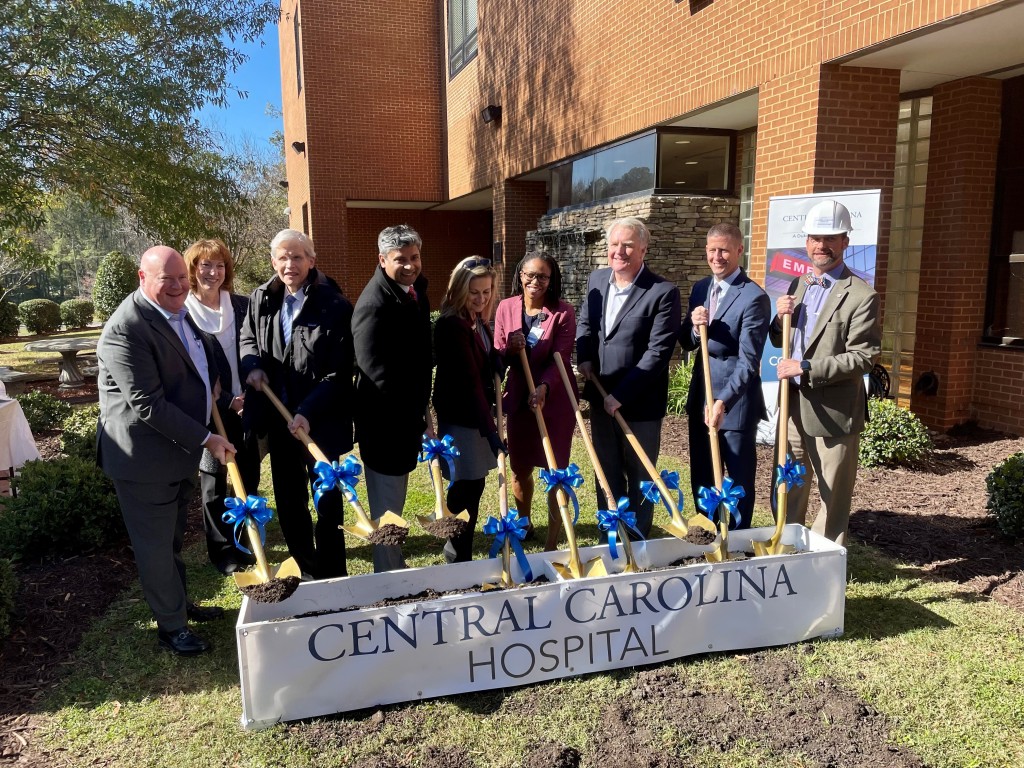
{"type": "Point", "coordinates": [836, 339]}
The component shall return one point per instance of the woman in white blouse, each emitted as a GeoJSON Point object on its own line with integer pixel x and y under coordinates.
{"type": "Point", "coordinates": [218, 312]}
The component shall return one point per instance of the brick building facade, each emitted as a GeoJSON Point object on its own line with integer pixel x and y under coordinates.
{"type": "Point", "coordinates": [383, 106]}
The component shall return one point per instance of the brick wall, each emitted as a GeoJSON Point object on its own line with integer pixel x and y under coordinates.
{"type": "Point", "coordinates": [997, 376]}
{"type": "Point", "coordinates": [518, 205]}
{"type": "Point", "coordinates": [954, 265]}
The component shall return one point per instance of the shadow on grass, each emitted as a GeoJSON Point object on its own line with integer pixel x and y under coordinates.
{"type": "Point", "coordinates": [878, 617]}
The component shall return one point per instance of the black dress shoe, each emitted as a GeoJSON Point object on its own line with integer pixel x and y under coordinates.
{"type": "Point", "coordinates": [183, 642]}
{"type": "Point", "coordinates": [200, 613]}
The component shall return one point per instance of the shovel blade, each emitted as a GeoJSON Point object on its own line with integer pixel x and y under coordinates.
{"type": "Point", "coordinates": [675, 528]}
{"type": "Point", "coordinates": [463, 516]}
{"type": "Point", "coordinates": [358, 530]}
{"type": "Point", "coordinates": [700, 521]}
{"type": "Point", "coordinates": [288, 568]}
{"type": "Point", "coordinates": [763, 548]}
{"type": "Point", "coordinates": [390, 518]}
{"type": "Point", "coordinates": [425, 520]}
{"type": "Point", "coordinates": [249, 578]}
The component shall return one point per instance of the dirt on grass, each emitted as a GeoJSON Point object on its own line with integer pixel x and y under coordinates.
{"type": "Point", "coordinates": [930, 515]}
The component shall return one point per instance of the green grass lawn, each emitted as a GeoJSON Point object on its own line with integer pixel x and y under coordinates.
{"type": "Point", "coordinates": [945, 666]}
{"type": "Point", "coordinates": [14, 355]}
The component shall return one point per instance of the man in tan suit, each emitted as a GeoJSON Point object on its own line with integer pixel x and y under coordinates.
{"type": "Point", "coordinates": [836, 339]}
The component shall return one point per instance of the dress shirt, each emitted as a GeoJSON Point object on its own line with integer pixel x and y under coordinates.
{"type": "Point", "coordinates": [617, 299]}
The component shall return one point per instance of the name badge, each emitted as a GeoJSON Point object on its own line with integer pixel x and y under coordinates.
{"type": "Point", "coordinates": [535, 334]}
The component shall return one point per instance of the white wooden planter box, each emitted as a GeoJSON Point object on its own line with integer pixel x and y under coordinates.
{"type": "Point", "coordinates": [307, 656]}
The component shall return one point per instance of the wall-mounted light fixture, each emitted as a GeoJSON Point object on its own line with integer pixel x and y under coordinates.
{"type": "Point", "coordinates": [283, 184]}
{"type": "Point", "coordinates": [299, 147]}
{"type": "Point", "coordinates": [491, 114]}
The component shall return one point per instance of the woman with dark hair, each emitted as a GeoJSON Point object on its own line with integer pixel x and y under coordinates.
{"type": "Point", "coordinates": [219, 312]}
{"type": "Point", "coordinates": [464, 391]}
{"type": "Point", "coordinates": [536, 319]}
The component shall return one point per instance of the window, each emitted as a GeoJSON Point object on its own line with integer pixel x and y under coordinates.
{"type": "Point", "coordinates": [670, 160]}
{"type": "Point", "coordinates": [305, 218]}
{"type": "Point", "coordinates": [462, 23]}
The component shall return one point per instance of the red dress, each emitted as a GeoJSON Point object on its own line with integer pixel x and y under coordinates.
{"type": "Point", "coordinates": [559, 337]}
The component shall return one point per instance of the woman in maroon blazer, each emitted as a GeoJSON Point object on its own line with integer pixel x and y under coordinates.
{"type": "Point", "coordinates": [535, 318]}
{"type": "Point", "coordinates": [464, 390]}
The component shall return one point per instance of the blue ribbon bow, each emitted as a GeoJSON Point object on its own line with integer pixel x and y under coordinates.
{"type": "Point", "coordinates": [335, 475]}
{"type": "Point", "coordinates": [609, 519]}
{"type": "Point", "coordinates": [567, 479]}
{"type": "Point", "coordinates": [440, 449]}
{"type": "Point", "coordinates": [709, 499]}
{"type": "Point", "coordinates": [238, 511]}
{"type": "Point", "coordinates": [651, 492]}
{"type": "Point", "coordinates": [791, 473]}
{"type": "Point", "coordinates": [513, 528]}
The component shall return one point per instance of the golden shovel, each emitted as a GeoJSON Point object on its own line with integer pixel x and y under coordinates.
{"type": "Point", "coordinates": [774, 545]}
{"type": "Point", "coordinates": [263, 572]}
{"type": "Point", "coordinates": [676, 526]}
{"type": "Point", "coordinates": [440, 504]}
{"type": "Point", "coordinates": [721, 552]}
{"type": "Point", "coordinates": [575, 568]}
{"type": "Point", "coordinates": [364, 527]}
{"type": "Point", "coordinates": [602, 479]}
{"type": "Point", "coordinates": [506, 549]}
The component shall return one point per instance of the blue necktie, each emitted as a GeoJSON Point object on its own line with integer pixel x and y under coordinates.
{"type": "Point", "coordinates": [287, 318]}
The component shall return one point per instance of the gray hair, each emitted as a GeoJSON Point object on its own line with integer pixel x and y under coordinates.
{"type": "Point", "coordinates": [397, 237]}
{"type": "Point", "coordinates": [630, 222]}
{"type": "Point", "coordinates": [292, 236]}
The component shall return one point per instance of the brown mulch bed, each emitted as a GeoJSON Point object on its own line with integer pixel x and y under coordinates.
{"type": "Point", "coordinates": [931, 516]}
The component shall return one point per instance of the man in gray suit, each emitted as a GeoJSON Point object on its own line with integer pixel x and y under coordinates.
{"type": "Point", "coordinates": [836, 340]}
{"type": "Point", "coordinates": [626, 332]}
{"type": "Point", "coordinates": [155, 397]}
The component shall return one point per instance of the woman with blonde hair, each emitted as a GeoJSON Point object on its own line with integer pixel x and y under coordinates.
{"type": "Point", "coordinates": [219, 312]}
{"type": "Point", "coordinates": [464, 390]}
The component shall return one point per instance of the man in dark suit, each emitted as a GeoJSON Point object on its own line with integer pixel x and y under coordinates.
{"type": "Point", "coordinates": [626, 331]}
{"type": "Point", "coordinates": [155, 394]}
{"type": "Point", "coordinates": [391, 333]}
{"type": "Point", "coordinates": [837, 338]}
{"type": "Point", "coordinates": [735, 311]}
{"type": "Point", "coordinates": [297, 340]}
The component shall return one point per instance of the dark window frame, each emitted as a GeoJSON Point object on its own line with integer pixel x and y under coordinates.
{"type": "Point", "coordinates": [463, 44]}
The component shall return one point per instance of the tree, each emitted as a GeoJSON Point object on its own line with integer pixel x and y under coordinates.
{"type": "Point", "coordinates": [98, 97]}
{"type": "Point", "coordinates": [116, 277]}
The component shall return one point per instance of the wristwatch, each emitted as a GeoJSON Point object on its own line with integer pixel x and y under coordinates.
{"type": "Point", "coordinates": [805, 366]}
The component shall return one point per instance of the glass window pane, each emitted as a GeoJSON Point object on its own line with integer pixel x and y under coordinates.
{"type": "Point", "coordinates": [924, 129]}
{"type": "Point", "coordinates": [903, 131]}
{"type": "Point", "coordinates": [583, 180]}
{"type": "Point", "coordinates": [561, 186]}
{"type": "Point", "coordinates": [921, 150]}
{"type": "Point", "coordinates": [625, 167]}
{"type": "Point", "coordinates": [694, 162]}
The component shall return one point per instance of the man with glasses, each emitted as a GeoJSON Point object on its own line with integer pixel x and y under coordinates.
{"type": "Point", "coordinates": [628, 326]}
{"type": "Point", "coordinates": [391, 332]}
{"type": "Point", "coordinates": [735, 311]}
{"type": "Point", "coordinates": [836, 339]}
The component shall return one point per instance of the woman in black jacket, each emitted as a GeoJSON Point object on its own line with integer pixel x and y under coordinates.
{"type": "Point", "coordinates": [464, 390]}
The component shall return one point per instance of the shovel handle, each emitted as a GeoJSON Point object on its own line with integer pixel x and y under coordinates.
{"type": "Point", "coordinates": [716, 451]}
{"type": "Point", "coordinates": [782, 437]}
{"type": "Point", "coordinates": [506, 549]}
{"type": "Point", "coordinates": [549, 455]}
{"type": "Point", "coordinates": [255, 544]}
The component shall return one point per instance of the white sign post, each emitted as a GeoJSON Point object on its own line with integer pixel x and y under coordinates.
{"type": "Point", "coordinates": [319, 653]}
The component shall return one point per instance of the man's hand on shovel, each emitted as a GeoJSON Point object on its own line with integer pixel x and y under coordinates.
{"type": "Point", "coordinates": [219, 447]}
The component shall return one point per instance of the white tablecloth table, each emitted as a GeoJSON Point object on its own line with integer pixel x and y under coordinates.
{"type": "Point", "coordinates": [16, 442]}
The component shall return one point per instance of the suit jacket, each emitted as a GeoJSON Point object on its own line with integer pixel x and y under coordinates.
{"type": "Point", "coordinates": [391, 333]}
{"type": "Point", "coordinates": [464, 385]}
{"type": "Point", "coordinates": [632, 357]}
{"type": "Point", "coordinates": [152, 398]}
{"type": "Point", "coordinates": [313, 375]}
{"type": "Point", "coordinates": [846, 343]}
{"type": "Point", "coordinates": [736, 337]}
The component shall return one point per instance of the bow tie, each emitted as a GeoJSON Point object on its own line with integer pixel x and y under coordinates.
{"type": "Point", "coordinates": [823, 281]}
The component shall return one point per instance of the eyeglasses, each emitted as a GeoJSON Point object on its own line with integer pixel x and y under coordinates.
{"type": "Point", "coordinates": [535, 277]}
{"type": "Point", "coordinates": [474, 263]}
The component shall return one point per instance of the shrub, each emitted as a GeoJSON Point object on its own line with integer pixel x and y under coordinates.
{"type": "Point", "coordinates": [78, 432]}
{"type": "Point", "coordinates": [116, 276]}
{"type": "Point", "coordinates": [40, 315]}
{"type": "Point", "coordinates": [893, 435]}
{"type": "Point", "coordinates": [1005, 486]}
{"type": "Point", "coordinates": [63, 506]}
{"type": "Point", "coordinates": [76, 313]}
{"type": "Point", "coordinates": [10, 320]}
{"type": "Point", "coordinates": [679, 386]}
{"type": "Point", "coordinates": [43, 410]}
{"type": "Point", "coordinates": [8, 586]}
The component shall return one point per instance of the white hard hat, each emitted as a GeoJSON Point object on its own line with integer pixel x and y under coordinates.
{"type": "Point", "coordinates": [828, 218]}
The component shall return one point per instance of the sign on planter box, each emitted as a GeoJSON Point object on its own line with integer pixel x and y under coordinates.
{"type": "Point", "coordinates": [310, 656]}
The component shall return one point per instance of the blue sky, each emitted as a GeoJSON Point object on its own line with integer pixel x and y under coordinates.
{"type": "Point", "coordinates": [260, 76]}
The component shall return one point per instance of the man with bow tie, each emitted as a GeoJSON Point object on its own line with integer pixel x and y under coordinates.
{"type": "Point", "coordinates": [836, 339]}
{"type": "Point", "coordinates": [736, 311]}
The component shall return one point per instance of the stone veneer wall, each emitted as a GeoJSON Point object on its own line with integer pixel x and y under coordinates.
{"type": "Point", "coordinates": [678, 227]}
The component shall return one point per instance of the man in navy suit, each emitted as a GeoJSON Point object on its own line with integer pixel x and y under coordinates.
{"type": "Point", "coordinates": [736, 312]}
{"type": "Point", "coordinates": [626, 331]}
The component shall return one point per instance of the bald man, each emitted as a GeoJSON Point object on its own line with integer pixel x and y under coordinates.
{"type": "Point", "coordinates": [156, 373]}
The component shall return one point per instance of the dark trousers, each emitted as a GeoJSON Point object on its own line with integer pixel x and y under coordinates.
{"type": "Point", "coordinates": [220, 536]}
{"type": "Point", "coordinates": [621, 465]}
{"type": "Point", "coordinates": [319, 550]}
{"type": "Point", "coordinates": [155, 515]}
{"type": "Point", "coordinates": [739, 459]}
{"type": "Point", "coordinates": [464, 496]}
